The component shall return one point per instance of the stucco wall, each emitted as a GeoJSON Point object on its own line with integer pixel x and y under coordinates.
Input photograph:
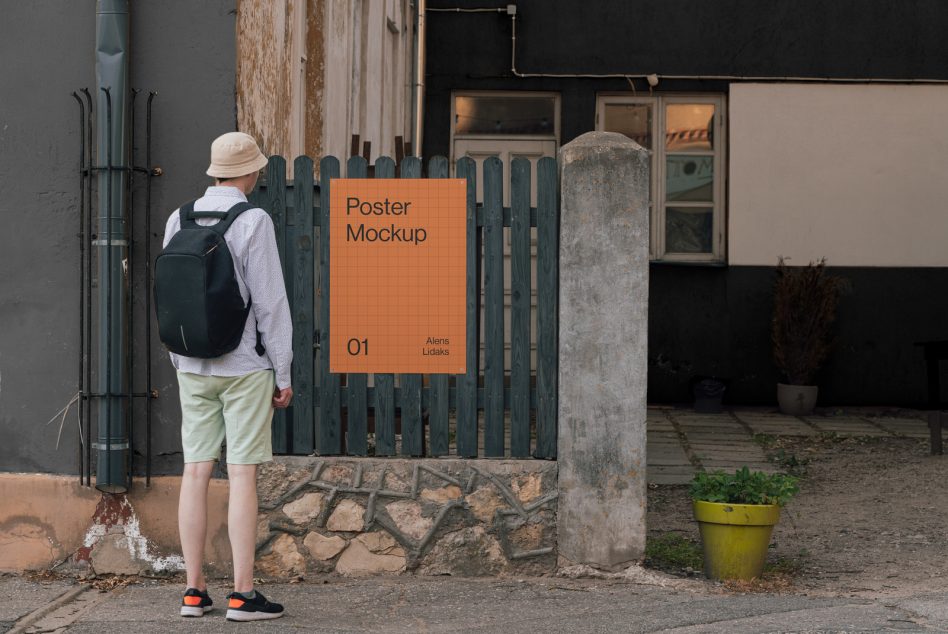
{"type": "Point", "coordinates": [183, 50]}
{"type": "Point", "coordinates": [854, 173]}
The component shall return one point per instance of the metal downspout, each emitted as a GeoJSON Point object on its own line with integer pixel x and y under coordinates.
{"type": "Point", "coordinates": [111, 72]}
{"type": "Point", "coordinates": [418, 94]}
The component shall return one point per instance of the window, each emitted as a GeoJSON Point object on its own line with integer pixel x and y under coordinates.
{"type": "Point", "coordinates": [505, 114]}
{"type": "Point", "coordinates": [508, 125]}
{"type": "Point", "coordinates": [685, 140]}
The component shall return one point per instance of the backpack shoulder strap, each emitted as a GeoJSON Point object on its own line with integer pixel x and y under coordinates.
{"type": "Point", "coordinates": [186, 214]}
{"type": "Point", "coordinates": [232, 213]}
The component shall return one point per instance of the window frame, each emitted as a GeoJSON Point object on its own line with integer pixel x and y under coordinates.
{"type": "Point", "coordinates": [512, 94]}
{"type": "Point", "coordinates": [657, 161]}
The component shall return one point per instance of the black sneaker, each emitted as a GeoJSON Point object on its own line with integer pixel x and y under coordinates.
{"type": "Point", "coordinates": [240, 608]}
{"type": "Point", "coordinates": [195, 603]}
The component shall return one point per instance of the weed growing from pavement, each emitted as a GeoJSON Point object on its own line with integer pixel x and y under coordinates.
{"type": "Point", "coordinates": [785, 566]}
{"type": "Point", "coordinates": [673, 552]}
{"type": "Point", "coordinates": [789, 462]}
{"type": "Point", "coordinates": [830, 437]}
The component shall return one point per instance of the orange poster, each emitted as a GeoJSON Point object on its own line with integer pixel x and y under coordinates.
{"type": "Point", "coordinates": [397, 261]}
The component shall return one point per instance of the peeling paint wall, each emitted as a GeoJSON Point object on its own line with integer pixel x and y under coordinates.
{"type": "Point", "coordinates": [52, 520]}
{"type": "Point", "coordinates": [266, 72]}
{"type": "Point", "coordinates": [315, 78]}
{"type": "Point", "coordinates": [311, 73]}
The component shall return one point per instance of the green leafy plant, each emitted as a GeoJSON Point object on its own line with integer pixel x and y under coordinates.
{"type": "Point", "coordinates": [743, 487]}
{"type": "Point", "coordinates": [805, 301]}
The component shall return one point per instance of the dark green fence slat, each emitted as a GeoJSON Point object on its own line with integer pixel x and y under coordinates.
{"type": "Point", "coordinates": [276, 202]}
{"type": "Point", "coordinates": [438, 414]}
{"type": "Point", "coordinates": [357, 407]}
{"type": "Point", "coordinates": [328, 428]}
{"type": "Point", "coordinates": [466, 432]}
{"type": "Point", "coordinates": [273, 201]}
{"type": "Point", "coordinates": [413, 433]}
{"type": "Point", "coordinates": [289, 267]}
{"type": "Point", "coordinates": [520, 308]}
{"type": "Point", "coordinates": [494, 307]}
{"type": "Point", "coordinates": [385, 413]}
{"type": "Point", "coordinates": [547, 306]}
{"type": "Point", "coordinates": [412, 430]}
{"type": "Point", "coordinates": [302, 427]}
{"type": "Point", "coordinates": [302, 309]}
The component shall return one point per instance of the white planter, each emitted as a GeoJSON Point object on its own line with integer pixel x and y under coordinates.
{"type": "Point", "coordinates": [796, 400]}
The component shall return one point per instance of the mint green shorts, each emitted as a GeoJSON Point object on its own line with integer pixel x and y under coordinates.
{"type": "Point", "coordinates": [238, 408]}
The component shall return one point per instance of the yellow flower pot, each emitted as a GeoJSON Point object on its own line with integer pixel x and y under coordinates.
{"type": "Point", "coordinates": [735, 537]}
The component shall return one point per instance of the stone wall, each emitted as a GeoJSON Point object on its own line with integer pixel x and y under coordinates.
{"type": "Point", "coordinates": [424, 516]}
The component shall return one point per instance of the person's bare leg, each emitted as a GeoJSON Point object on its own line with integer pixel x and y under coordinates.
{"type": "Point", "coordinates": [242, 522]}
{"type": "Point", "coordinates": [192, 519]}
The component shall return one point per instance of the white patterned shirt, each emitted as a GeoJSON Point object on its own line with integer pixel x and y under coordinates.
{"type": "Point", "coordinates": [252, 244]}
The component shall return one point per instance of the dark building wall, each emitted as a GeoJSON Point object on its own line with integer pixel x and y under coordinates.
{"type": "Point", "coordinates": [185, 52]}
{"type": "Point", "coordinates": [809, 38]}
{"type": "Point", "coordinates": [716, 320]}
{"type": "Point", "coordinates": [707, 321]}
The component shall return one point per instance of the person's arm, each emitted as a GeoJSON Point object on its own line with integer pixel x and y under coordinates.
{"type": "Point", "coordinates": [264, 279]}
{"type": "Point", "coordinates": [171, 228]}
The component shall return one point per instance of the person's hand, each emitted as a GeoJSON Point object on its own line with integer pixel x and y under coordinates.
{"type": "Point", "coordinates": [282, 398]}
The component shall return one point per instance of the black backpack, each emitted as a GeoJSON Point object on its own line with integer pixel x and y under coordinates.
{"type": "Point", "coordinates": [197, 301]}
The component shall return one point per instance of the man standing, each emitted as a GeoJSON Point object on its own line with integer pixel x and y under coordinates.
{"type": "Point", "coordinates": [232, 396]}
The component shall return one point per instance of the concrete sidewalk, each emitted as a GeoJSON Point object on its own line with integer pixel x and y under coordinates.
{"type": "Point", "coordinates": [681, 441]}
{"type": "Point", "coordinates": [512, 606]}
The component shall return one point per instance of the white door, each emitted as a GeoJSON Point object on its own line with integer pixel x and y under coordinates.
{"type": "Point", "coordinates": [506, 150]}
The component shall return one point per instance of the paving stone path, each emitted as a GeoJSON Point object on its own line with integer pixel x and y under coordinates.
{"type": "Point", "coordinates": [681, 441]}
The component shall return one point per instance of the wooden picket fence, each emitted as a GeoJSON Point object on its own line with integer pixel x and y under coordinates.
{"type": "Point", "coordinates": [336, 414]}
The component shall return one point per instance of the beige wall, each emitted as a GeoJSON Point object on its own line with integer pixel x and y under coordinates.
{"type": "Point", "coordinates": [45, 519]}
{"type": "Point", "coordinates": [311, 73]}
{"type": "Point", "coordinates": [854, 173]}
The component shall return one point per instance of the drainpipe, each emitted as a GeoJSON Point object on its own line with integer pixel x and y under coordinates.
{"type": "Point", "coordinates": [111, 74]}
{"type": "Point", "coordinates": [418, 94]}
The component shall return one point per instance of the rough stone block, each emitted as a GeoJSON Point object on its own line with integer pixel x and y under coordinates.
{"type": "Point", "coordinates": [304, 508]}
{"type": "Point", "coordinates": [324, 548]}
{"type": "Point", "coordinates": [347, 516]}
{"type": "Point", "coordinates": [468, 552]}
{"type": "Point", "coordinates": [484, 503]}
{"type": "Point", "coordinates": [380, 543]}
{"type": "Point", "coordinates": [527, 487]}
{"type": "Point", "coordinates": [441, 495]}
{"type": "Point", "coordinates": [408, 518]}
{"type": "Point", "coordinates": [358, 560]}
{"type": "Point", "coordinates": [283, 560]}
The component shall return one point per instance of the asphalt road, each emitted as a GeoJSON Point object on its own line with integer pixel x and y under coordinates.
{"type": "Point", "coordinates": [445, 604]}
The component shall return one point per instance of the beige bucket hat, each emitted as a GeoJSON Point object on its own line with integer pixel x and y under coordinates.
{"type": "Point", "coordinates": [235, 154]}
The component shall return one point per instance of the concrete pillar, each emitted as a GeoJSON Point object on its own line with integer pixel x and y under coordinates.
{"type": "Point", "coordinates": [603, 351]}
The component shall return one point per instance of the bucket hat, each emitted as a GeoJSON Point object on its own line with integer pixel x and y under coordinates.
{"type": "Point", "coordinates": [235, 154]}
